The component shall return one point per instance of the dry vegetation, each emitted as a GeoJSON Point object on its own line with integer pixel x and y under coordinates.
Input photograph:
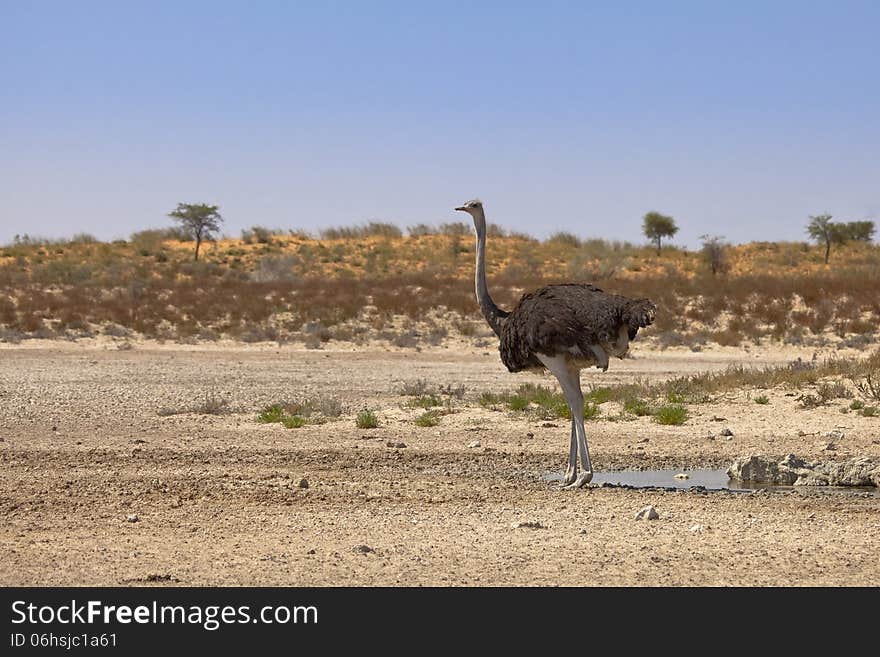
{"type": "Point", "coordinates": [370, 282]}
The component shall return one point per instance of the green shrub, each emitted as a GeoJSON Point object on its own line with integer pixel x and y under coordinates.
{"type": "Point", "coordinates": [293, 421]}
{"type": "Point", "coordinates": [428, 419]}
{"type": "Point", "coordinates": [591, 411]}
{"type": "Point", "coordinates": [599, 395]}
{"type": "Point", "coordinates": [671, 414]}
{"type": "Point", "coordinates": [636, 406]}
{"type": "Point", "coordinates": [762, 399]}
{"type": "Point", "coordinates": [273, 413]}
{"type": "Point", "coordinates": [426, 401]}
{"type": "Point", "coordinates": [367, 419]}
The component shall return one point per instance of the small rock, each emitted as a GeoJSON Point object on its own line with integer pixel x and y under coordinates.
{"type": "Point", "coordinates": [682, 475]}
{"type": "Point", "coordinates": [696, 528]}
{"type": "Point", "coordinates": [549, 425]}
{"type": "Point", "coordinates": [474, 444]}
{"type": "Point", "coordinates": [363, 549]}
{"type": "Point", "coordinates": [312, 551]}
{"type": "Point", "coordinates": [726, 431]}
{"type": "Point", "coordinates": [527, 524]}
{"type": "Point", "coordinates": [811, 516]}
{"type": "Point", "coordinates": [833, 435]}
{"type": "Point", "coordinates": [132, 517]}
{"type": "Point", "coordinates": [399, 445]}
{"type": "Point", "coordinates": [530, 435]}
{"type": "Point", "coordinates": [829, 447]}
{"type": "Point", "coordinates": [643, 440]}
{"type": "Point", "coordinates": [716, 418]}
{"type": "Point", "coordinates": [303, 483]}
{"type": "Point", "coordinates": [648, 513]}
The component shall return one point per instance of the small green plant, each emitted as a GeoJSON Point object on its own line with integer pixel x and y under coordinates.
{"type": "Point", "coordinates": [293, 421]}
{"type": "Point", "coordinates": [367, 419]}
{"type": "Point", "coordinates": [636, 406]}
{"type": "Point", "coordinates": [856, 405]}
{"type": "Point", "coordinates": [517, 403]}
{"type": "Point", "coordinates": [425, 401]}
{"type": "Point", "coordinates": [489, 399]}
{"type": "Point", "coordinates": [599, 395]}
{"type": "Point", "coordinates": [869, 411]}
{"type": "Point", "coordinates": [270, 414]}
{"type": "Point", "coordinates": [556, 408]}
{"type": "Point", "coordinates": [671, 414]}
{"type": "Point", "coordinates": [428, 419]}
{"type": "Point", "coordinates": [762, 399]}
{"type": "Point", "coordinates": [591, 411]}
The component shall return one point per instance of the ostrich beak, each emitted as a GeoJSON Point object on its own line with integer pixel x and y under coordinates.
{"type": "Point", "coordinates": [461, 209]}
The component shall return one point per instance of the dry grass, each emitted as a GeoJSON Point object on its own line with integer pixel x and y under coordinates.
{"type": "Point", "coordinates": [271, 284]}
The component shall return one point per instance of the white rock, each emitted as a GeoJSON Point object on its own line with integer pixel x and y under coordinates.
{"type": "Point", "coordinates": [648, 513]}
{"type": "Point", "coordinates": [696, 528]}
{"type": "Point", "coordinates": [474, 444]}
{"type": "Point", "coordinates": [682, 475]}
{"type": "Point", "coordinates": [132, 517]}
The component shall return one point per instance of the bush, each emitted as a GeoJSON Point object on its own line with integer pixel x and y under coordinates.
{"type": "Point", "coordinates": [636, 406]}
{"type": "Point", "coordinates": [367, 419]}
{"type": "Point", "coordinates": [293, 421]}
{"type": "Point", "coordinates": [428, 419]}
{"type": "Point", "coordinates": [671, 414]}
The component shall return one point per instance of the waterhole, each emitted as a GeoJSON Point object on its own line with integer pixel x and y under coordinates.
{"type": "Point", "coordinates": [712, 480]}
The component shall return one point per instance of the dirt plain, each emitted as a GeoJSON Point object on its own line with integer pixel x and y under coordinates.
{"type": "Point", "coordinates": [217, 499]}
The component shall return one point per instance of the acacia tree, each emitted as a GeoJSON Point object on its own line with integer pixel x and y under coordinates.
{"type": "Point", "coordinates": [858, 231]}
{"type": "Point", "coordinates": [656, 226]}
{"type": "Point", "coordinates": [824, 231]}
{"type": "Point", "coordinates": [198, 220]}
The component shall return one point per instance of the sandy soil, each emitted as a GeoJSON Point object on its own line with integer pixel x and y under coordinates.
{"type": "Point", "coordinates": [218, 500]}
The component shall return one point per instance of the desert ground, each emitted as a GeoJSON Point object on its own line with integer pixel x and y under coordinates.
{"type": "Point", "coordinates": [98, 486]}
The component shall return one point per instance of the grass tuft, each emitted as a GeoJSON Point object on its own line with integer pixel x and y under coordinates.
{"type": "Point", "coordinates": [671, 414]}
{"type": "Point", "coordinates": [367, 419]}
{"type": "Point", "coordinates": [428, 419]}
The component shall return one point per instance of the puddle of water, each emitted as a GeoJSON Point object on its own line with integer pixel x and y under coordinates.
{"type": "Point", "coordinates": [708, 479]}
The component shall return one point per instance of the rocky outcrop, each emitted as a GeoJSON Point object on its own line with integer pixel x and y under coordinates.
{"type": "Point", "coordinates": [792, 470]}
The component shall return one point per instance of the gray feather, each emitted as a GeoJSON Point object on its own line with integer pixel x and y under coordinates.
{"type": "Point", "coordinates": [557, 318]}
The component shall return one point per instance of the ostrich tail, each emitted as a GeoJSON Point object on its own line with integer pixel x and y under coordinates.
{"type": "Point", "coordinates": [639, 313]}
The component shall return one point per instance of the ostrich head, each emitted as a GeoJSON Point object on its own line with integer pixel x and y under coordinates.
{"type": "Point", "coordinates": [475, 209]}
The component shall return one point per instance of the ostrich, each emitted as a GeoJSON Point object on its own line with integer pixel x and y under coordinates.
{"type": "Point", "coordinates": [561, 328]}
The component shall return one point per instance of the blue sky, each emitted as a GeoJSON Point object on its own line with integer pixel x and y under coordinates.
{"type": "Point", "coordinates": [738, 118]}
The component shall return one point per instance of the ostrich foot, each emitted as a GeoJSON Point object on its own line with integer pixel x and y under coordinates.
{"type": "Point", "coordinates": [570, 477]}
{"type": "Point", "coordinates": [581, 480]}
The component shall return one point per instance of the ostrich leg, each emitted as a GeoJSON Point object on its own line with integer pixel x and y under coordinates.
{"type": "Point", "coordinates": [571, 471]}
{"type": "Point", "coordinates": [569, 379]}
{"type": "Point", "coordinates": [586, 475]}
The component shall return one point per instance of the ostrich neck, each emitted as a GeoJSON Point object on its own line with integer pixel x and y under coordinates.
{"type": "Point", "coordinates": [493, 314]}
